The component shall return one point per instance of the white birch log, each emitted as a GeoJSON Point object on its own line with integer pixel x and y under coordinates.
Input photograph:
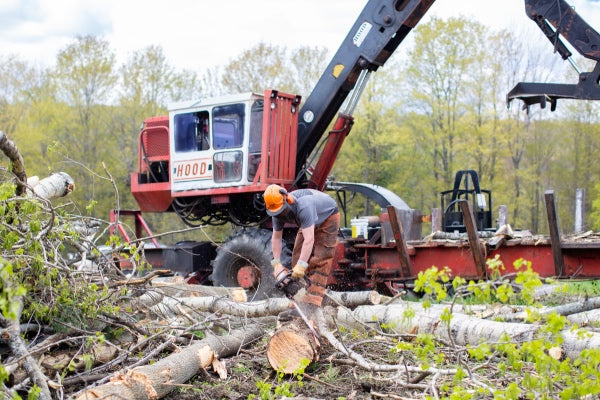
{"type": "Point", "coordinates": [586, 318]}
{"type": "Point", "coordinates": [170, 307]}
{"type": "Point", "coordinates": [563, 309]}
{"type": "Point", "coordinates": [351, 299]}
{"type": "Point", "coordinates": [56, 185]}
{"type": "Point", "coordinates": [463, 329]}
{"type": "Point", "coordinates": [157, 293]}
{"type": "Point", "coordinates": [236, 294]}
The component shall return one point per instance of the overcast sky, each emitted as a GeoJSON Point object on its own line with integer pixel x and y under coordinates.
{"type": "Point", "coordinates": [196, 34]}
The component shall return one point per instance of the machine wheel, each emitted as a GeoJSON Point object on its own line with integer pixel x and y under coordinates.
{"type": "Point", "coordinates": [244, 260]}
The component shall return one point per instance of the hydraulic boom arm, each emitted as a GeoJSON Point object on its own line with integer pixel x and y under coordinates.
{"type": "Point", "coordinates": [377, 32]}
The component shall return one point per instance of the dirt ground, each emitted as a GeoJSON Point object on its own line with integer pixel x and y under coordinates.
{"type": "Point", "coordinates": [325, 379]}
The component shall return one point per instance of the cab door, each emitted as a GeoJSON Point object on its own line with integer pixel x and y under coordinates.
{"type": "Point", "coordinates": [192, 155]}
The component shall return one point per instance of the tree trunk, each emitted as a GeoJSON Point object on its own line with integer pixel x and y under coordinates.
{"type": "Point", "coordinates": [157, 380]}
{"type": "Point", "coordinates": [563, 309]}
{"type": "Point", "coordinates": [586, 319]}
{"type": "Point", "coordinates": [291, 343]}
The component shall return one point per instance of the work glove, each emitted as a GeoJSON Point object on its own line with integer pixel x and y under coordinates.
{"type": "Point", "coordinates": [299, 270]}
{"type": "Point", "coordinates": [277, 267]}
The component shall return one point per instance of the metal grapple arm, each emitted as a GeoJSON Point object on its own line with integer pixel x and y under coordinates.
{"type": "Point", "coordinates": [556, 18]}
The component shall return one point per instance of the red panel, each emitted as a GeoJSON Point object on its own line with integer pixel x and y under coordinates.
{"type": "Point", "coordinates": [367, 264]}
{"type": "Point", "coordinates": [151, 196]}
{"type": "Point", "coordinates": [540, 256]}
{"type": "Point", "coordinates": [280, 135]}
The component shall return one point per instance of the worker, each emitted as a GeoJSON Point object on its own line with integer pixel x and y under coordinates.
{"type": "Point", "coordinates": [318, 219]}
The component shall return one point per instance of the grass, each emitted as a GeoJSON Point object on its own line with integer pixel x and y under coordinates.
{"type": "Point", "coordinates": [584, 287]}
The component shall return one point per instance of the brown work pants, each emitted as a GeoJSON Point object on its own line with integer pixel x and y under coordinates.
{"type": "Point", "coordinates": [321, 259]}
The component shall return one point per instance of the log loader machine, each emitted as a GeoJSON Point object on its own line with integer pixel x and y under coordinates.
{"type": "Point", "coordinates": [210, 160]}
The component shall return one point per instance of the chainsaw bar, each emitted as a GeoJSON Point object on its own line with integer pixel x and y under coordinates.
{"type": "Point", "coordinates": [305, 319]}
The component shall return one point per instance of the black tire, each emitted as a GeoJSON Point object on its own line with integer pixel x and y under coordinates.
{"type": "Point", "coordinates": [248, 248]}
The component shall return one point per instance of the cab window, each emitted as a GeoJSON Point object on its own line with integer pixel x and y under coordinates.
{"type": "Point", "coordinates": [192, 131]}
{"type": "Point", "coordinates": [228, 126]}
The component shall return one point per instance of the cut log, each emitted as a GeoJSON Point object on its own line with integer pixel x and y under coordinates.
{"type": "Point", "coordinates": [292, 343]}
{"type": "Point", "coordinates": [563, 309]}
{"type": "Point", "coordinates": [53, 186]}
{"type": "Point", "coordinates": [587, 318]}
{"type": "Point", "coordinates": [351, 299]}
{"type": "Point", "coordinates": [157, 380]}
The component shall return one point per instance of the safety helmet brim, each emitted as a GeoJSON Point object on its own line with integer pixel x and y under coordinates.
{"type": "Point", "coordinates": [274, 213]}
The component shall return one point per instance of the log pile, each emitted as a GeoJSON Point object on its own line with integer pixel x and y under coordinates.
{"type": "Point", "coordinates": [288, 345]}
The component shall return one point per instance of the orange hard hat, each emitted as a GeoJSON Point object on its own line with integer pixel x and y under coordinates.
{"type": "Point", "coordinates": [274, 199]}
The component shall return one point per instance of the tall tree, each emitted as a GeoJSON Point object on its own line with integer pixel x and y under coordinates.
{"type": "Point", "coordinates": [85, 77]}
{"type": "Point", "coordinates": [437, 77]}
{"type": "Point", "coordinates": [270, 67]}
{"type": "Point", "coordinates": [306, 65]}
{"type": "Point", "coordinates": [17, 83]}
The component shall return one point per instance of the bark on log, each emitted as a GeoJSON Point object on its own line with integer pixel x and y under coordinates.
{"type": "Point", "coordinates": [563, 309]}
{"type": "Point", "coordinates": [291, 343]}
{"type": "Point", "coordinates": [222, 300]}
{"type": "Point", "coordinates": [157, 380]}
{"type": "Point", "coordinates": [463, 330]}
{"type": "Point", "coordinates": [236, 294]}
{"type": "Point", "coordinates": [586, 318]}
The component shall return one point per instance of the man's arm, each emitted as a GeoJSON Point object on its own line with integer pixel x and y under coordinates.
{"type": "Point", "coordinates": [276, 246]}
{"type": "Point", "coordinates": [307, 246]}
{"type": "Point", "coordinates": [309, 241]}
{"type": "Point", "coordinates": [276, 243]}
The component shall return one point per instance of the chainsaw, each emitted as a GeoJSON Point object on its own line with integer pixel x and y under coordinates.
{"type": "Point", "coordinates": [290, 286]}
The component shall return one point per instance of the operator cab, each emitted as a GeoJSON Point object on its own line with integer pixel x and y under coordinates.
{"type": "Point", "coordinates": [209, 159]}
{"type": "Point", "coordinates": [215, 142]}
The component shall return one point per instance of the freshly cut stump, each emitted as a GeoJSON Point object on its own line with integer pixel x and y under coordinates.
{"type": "Point", "coordinates": [291, 343]}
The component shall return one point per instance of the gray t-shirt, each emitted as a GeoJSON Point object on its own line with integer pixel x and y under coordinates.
{"type": "Point", "coordinates": [311, 207]}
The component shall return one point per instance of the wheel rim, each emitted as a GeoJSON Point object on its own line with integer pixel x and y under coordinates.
{"type": "Point", "coordinates": [248, 276]}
